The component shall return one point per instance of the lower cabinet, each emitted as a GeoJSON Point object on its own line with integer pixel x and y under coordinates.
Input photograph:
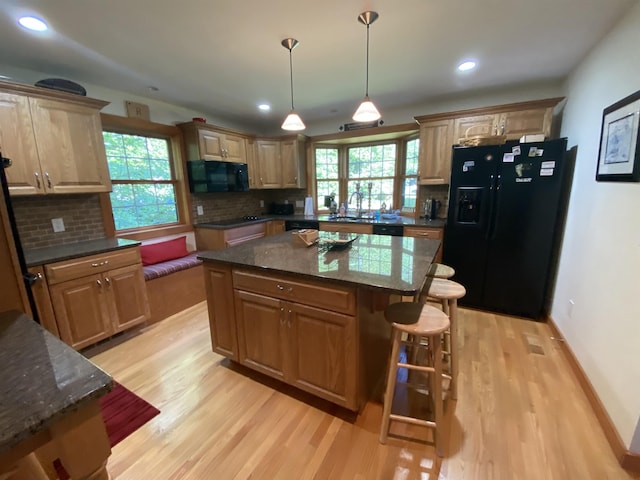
{"type": "Point", "coordinates": [217, 239]}
{"type": "Point", "coordinates": [422, 232]}
{"type": "Point", "coordinates": [301, 332]}
{"type": "Point", "coordinates": [89, 307]}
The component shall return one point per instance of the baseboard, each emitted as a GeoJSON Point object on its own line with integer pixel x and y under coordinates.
{"type": "Point", "coordinates": [627, 459]}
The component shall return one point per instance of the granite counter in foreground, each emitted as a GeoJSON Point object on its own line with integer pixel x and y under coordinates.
{"type": "Point", "coordinates": [397, 265]}
{"type": "Point", "coordinates": [42, 380]}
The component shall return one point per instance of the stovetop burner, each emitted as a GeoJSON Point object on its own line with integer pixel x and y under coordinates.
{"type": "Point", "coordinates": [251, 217]}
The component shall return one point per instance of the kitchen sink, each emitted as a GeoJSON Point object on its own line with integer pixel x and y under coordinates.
{"type": "Point", "coordinates": [351, 219]}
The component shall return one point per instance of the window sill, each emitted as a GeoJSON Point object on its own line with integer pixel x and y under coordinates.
{"type": "Point", "coordinates": [160, 231]}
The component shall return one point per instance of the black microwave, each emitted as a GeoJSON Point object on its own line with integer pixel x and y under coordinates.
{"type": "Point", "coordinates": [216, 176]}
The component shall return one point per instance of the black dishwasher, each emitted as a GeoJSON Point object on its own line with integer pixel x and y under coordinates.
{"type": "Point", "coordinates": [382, 229]}
{"type": "Point", "coordinates": [301, 224]}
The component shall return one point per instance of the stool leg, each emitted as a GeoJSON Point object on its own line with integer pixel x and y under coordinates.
{"type": "Point", "coordinates": [391, 384]}
{"type": "Point", "coordinates": [437, 394]}
{"type": "Point", "coordinates": [453, 341]}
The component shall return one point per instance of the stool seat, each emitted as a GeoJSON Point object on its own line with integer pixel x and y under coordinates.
{"type": "Point", "coordinates": [416, 318]}
{"type": "Point", "coordinates": [440, 270]}
{"type": "Point", "coordinates": [443, 289]}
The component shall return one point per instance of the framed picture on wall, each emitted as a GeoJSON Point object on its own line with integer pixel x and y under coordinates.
{"type": "Point", "coordinates": [619, 157]}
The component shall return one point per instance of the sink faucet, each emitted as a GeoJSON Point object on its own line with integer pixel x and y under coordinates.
{"type": "Point", "coordinates": [359, 196]}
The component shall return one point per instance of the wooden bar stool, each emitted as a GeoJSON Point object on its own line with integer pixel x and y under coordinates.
{"type": "Point", "coordinates": [440, 270]}
{"type": "Point", "coordinates": [419, 322]}
{"type": "Point", "coordinates": [447, 292]}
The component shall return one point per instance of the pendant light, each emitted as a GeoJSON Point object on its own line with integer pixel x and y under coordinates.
{"type": "Point", "coordinates": [293, 121]}
{"type": "Point", "coordinates": [367, 111]}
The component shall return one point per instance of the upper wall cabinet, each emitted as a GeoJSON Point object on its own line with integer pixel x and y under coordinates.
{"type": "Point", "coordinates": [439, 132]}
{"type": "Point", "coordinates": [278, 163]}
{"type": "Point", "coordinates": [205, 142]}
{"type": "Point", "coordinates": [54, 141]}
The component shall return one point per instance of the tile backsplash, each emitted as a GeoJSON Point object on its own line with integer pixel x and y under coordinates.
{"type": "Point", "coordinates": [225, 206]}
{"type": "Point", "coordinates": [80, 214]}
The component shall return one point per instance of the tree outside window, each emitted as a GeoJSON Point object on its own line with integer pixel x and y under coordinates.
{"type": "Point", "coordinates": [327, 175]}
{"type": "Point", "coordinates": [144, 187]}
{"type": "Point", "coordinates": [410, 181]}
{"type": "Point", "coordinates": [372, 167]}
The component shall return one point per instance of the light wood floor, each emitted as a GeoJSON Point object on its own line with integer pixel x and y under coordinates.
{"type": "Point", "coordinates": [520, 415]}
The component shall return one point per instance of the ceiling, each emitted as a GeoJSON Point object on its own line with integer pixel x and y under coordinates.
{"type": "Point", "coordinates": [225, 57]}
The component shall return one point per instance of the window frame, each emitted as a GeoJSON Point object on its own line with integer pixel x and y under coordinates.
{"type": "Point", "coordinates": [134, 126]}
{"type": "Point", "coordinates": [343, 180]}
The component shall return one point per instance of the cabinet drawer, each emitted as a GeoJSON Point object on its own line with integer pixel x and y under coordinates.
{"type": "Point", "coordinates": [433, 233]}
{"type": "Point", "coordinates": [330, 297]}
{"type": "Point", "coordinates": [83, 266]}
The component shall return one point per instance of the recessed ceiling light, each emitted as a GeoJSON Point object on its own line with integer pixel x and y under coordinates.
{"type": "Point", "coordinates": [33, 23]}
{"type": "Point", "coordinates": [264, 107]}
{"type": "Point", "coordinates": [468, 65]}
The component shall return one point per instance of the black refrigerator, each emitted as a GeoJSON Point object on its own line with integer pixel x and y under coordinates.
{"type": "Point", "coordinates": [503, 224]}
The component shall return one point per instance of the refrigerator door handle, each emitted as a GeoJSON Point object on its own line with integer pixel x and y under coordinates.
{"type": "Point", "coordinates": [492, 186]}
{"type": "Point", "coordinates": [496, 220]}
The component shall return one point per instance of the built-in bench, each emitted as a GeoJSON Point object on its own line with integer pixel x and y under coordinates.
{"type": "Point", "coordinates": [176, 284]}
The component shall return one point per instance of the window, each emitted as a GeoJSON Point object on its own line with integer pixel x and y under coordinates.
{"type": "Point", "coordinates": [144, 184]}
{"type": "Point", "coordinates": [373, 168]}
{"type": "Point", "coordinates": [409, 192]}
{"type": "Point", "coordinates": [327, 176]}
{"type": "Point", "coordinates": [386, 171]}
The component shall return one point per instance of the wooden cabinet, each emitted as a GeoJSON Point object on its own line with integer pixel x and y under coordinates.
{"type": "Point", "coordinates": [289, 335]}
{"type": "Point", "coordinates": [275, 227]}
{"type": "Point", "coordinates": [42, 299]}
{"type": "Point", "coordinates": [97, 296]}
{"type": "Point", "coordinates": [426, 232]}
{"type": "Point", "coordinates": [346, 227]}
{"type": "Point", "coordinates": [434, 159]}
{"type": "Point", "coordinates": [439, 132]}
{"type": "Point", "coordinates": [55, 144]}
{"type": "Point", "coordinates": [206, 142]}
{"type": "Point", "coordinates": [216, 239]}
{"type": "Point", "coordinates": [279, 163]}
{"type": "Point", "coordinates": [222, 317]}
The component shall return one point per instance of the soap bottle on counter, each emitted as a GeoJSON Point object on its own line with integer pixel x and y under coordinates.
{"type": "Point", "coordinates": [343, 210]}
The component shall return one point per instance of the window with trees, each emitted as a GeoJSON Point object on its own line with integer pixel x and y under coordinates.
{"type": "Point", "coordinates": [144, 184]}
{"type": "Point", "coordinates": [385, 173]}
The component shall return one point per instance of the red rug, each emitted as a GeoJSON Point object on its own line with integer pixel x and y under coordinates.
{"type": "Point", "coordinates": [123, 413]}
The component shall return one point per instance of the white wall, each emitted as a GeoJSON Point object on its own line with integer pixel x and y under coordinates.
{"type": "Point", "coordinates": [600, 261]}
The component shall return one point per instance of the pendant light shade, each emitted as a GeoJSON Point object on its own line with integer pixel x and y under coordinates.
{"type": "Point", "coordinates": [367, 111]}
{"type": "Point", "coordinates": [293, 121]}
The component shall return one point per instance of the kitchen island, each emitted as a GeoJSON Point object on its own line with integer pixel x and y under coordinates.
{"type": "Point", "coordinates": [49, 400]}
{"type": "Point", "coordinates": [312, 316]}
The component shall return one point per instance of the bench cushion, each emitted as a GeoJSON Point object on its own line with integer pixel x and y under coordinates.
{"type": "Point", "coordinates": [170, 266]}
{"type": "Point", "coordinates": [162, 251]}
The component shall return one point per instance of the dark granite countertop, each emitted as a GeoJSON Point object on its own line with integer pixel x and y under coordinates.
{"type": "Point", "coordinates": [41, 379]}
{"type": "Point", "coordinates": [238, 222]}
{"type": "Point", "coordinates": [40, 256]}
{"type": "Point", "coordinates": [393, 264]}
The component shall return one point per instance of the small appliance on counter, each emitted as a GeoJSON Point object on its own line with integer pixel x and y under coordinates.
{"type": "Point", "coordinates": [431, 208]}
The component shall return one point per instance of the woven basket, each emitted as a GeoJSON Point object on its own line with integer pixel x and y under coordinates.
{"type": "Point", "coordinates": [470, 140]}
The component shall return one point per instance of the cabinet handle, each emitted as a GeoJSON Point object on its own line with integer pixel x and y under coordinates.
{"type": "Point", "coordinates": [107, 281]}
{"type": "Point", "coordinates": [46, 174]}
{"type": "Point", "coordinates": [502, 129]}
{"type": "Point", "coordinates": [99, 283]}
{"type": "Point", "coordinates": [39, 276]}
{"type": "Point", "coordinates": [35, 174]}
{"type": "Point", "coordinates": [290, 289]}
{"type": "Point", "coordinates": [261, 181]}
{"type": "Point", "coordinates": [100, 264]}
{"type": "Point", "coordinates": [279, 287]}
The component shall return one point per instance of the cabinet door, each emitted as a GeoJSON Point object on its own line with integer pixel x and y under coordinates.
{"type": "Point", "coordinates": [18, 143]}
{"type": "Point", "coordinates": [210, 145]}
{"type": "Point", "coordinates": [128, 303]}
{"type": "Point", "coordinates": [82, 311]}
{"type": "Point", "coordinates": [261, 330]}
{"type": "Point", "coordinates": [235, 149]}
{"type": "Point", "coordinates": [433, 233]}
{"type": "Point", "coordinates": [275, 227]}
{"type": "Point", "coordinates": [253, 166]}
{"type": "Point", "coordinates": [220, 303]}
{"type": "Point", "coordinates": [292, 171]}
{"type": "Point", "coordinates": [526, 122]}
{"type": "Point", "coordinates": [436, 140]}
{"type": "Point", "coordinates": [323, 353]}
{"type": "Point", "coordinates": [70, 147]}
{"type": "Point", "coordinates": [268, 156]}
{"type": "Point", "coordinates": [477, 125]}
